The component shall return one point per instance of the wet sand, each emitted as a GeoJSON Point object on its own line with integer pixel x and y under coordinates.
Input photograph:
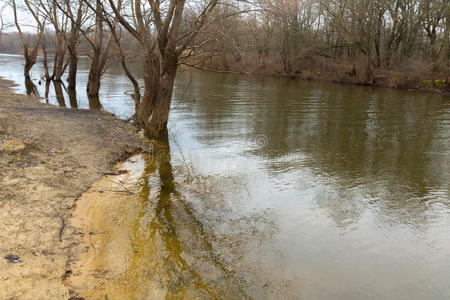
{"type": "Point", "coordinates": [142, 242]}
{"type": "Point", "coordinates": [49, 156]}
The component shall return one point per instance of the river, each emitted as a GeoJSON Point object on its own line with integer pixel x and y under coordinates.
{"type": "Point", "coordinates": [303, 190]}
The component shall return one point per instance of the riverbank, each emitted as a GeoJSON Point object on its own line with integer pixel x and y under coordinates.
{"type": "Point", "coordinates": [410, 77]}
{"type": "Point", "coordinates": [49, 156]}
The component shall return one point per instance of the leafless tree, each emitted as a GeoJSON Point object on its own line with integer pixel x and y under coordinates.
{"type": "Point", "coordinates": [29, 51]}
{"type": "Point", "coordinates": [156, 25]}
{"type": "Point", "coordinates": [100, 43]}
{"type": "Point", "coordinates": [435, 16]}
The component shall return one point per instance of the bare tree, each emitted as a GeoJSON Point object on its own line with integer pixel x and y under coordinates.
{"type": "Point", "coordinates": [156, 26]}
{"type": "Point", "coordinates": [434, 14]}
{"type": "Point", "coordinates": [49, 9]}
{"type": "Point", "coordinates": [71, 37]}
{"type": "Point", "coordinates": [100, 52]}
{"type": "Point", "coordinates": [30, 54]}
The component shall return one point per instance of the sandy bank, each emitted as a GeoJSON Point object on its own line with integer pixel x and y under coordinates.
{"type": "Point", "coordinates": [48, 157]}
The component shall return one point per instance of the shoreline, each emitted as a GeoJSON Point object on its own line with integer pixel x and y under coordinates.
{"type": "Point", "coordinates": [385, 80]}
{"type": "Point", "coordinates": [49, 156]}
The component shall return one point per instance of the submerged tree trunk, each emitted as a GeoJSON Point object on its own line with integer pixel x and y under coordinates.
{"type": "Point", "coordinates": [31, 87]}
{"type": "Point", "coordinates": [59, 93]}
{"type": "Point", "coordinates": [162, 46]}
{"type": "Point", "coordinates": [160, 116]}
{"type": "Point", "coordinates": [30, 57]}
{"type": "Point", "coordinates": [94, 103]}
{"type": "Point", "coordinates": [152, 113]}
{"type": "Point", "coordinates": [99, 55]}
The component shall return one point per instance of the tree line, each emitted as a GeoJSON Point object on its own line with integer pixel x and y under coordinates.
{"type": "Point", "coordinates": [352, 38]}
{"type": "Point", "coordinates": [298, 38]}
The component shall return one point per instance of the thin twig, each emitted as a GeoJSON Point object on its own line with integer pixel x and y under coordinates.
{"type": "Point", "coordinates": [127, 190]}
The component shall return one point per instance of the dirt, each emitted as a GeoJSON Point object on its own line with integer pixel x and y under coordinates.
{"type": "Point", "coordinates": [49, 156]}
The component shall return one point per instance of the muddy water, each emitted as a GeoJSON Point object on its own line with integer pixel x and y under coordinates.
{"type": "Point", "coordinates": [277, 189]}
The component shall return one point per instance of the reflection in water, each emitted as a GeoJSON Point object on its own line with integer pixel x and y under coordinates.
{"type": "Point", "coordinates": [94, 103]}
{"type": "Point", "coordinates": [354, 180]}
{"type": "Point", "coordinates": [157, 249]}
{"type": "Point", "coordinates": [390, 144]}
{"type": "Point", "coordinates": [47, 89]}
{"type": "Point", "coordinates": [72, 97]}
{"type": "Point", "coordinates": [357, 177]}
{"type": "Point", "coordinates": [183, 261]}
{"type": "Point", "coordinates": [31, 87]}
{"type": "Point", "coordinates": [59, 93]}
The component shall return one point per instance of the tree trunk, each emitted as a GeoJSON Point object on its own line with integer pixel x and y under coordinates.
{"type": "Point", "coordinates": [378, 52]}
{"type": "Point", "coordinates": [152, 113]}
{"type": "Point", "coordinates": [30, 87]}
{"type": "Point", "coordinates": [28, 65]}
{"type": "Point", "coordinates": [94, 80]}
{"type": "Point", "coordinates": [369, 72]}
{"type": "Point", "coordinates": [388, 56]}
{"type": "Point", "coordinates": [30, 60]}
{"type": "Point", "coordinates": [93, 85]}
{"type": "Point", "coordinates": [59, 93]}
{"type": "Point", "coordinates": [45, 60]}
{"type": "Point", "coordinates": [73, 64]}
{"type": "Point", "coordinates": [59, 67]}
{"type": "Point", "coordinates": [94, 103]}
{"type": "Point", "coordinates": [436, 49]}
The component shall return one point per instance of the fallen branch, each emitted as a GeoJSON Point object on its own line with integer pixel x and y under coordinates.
{"type": "Point", "coordinates": [121, 172]}
{"type": "Point", "coordinates": [63, 225]}
{"type": "Point", "coordinates": [124, 187]}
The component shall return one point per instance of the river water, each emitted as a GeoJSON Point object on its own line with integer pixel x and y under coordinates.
{"type": "Point", "coordinates": [300, 189]}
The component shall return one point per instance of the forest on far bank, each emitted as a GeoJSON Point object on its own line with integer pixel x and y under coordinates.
{"type": "Point", "coordinates": [393, 43]}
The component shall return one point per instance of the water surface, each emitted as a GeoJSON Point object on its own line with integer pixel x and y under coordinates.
{"type": "Point", "coordinates": [303, 189]}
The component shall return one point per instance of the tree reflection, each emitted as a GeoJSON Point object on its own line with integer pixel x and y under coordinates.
{"type": "Point", "coordinates": [169, 241]}
{"type": "Point", "coordinates": [72, 98]}
{"type": "Point", "coordinates": [47, 89]}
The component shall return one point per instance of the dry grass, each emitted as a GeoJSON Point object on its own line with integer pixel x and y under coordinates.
{"type": "Point", "coordinates": [12, 146]}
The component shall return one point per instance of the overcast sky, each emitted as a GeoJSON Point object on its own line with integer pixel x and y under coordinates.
{"type": "Point", "coordinates": [25, 19]}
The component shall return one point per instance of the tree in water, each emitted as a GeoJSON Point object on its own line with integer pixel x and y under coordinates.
{"type": "Point", "coordinates": [158, 29]}
{"type": "Point", "coordinates": [29, 55]}
{"type": "Point", "coordinates": [31, 87]}
{"type": "Point", "coordinates": [59, 93]}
